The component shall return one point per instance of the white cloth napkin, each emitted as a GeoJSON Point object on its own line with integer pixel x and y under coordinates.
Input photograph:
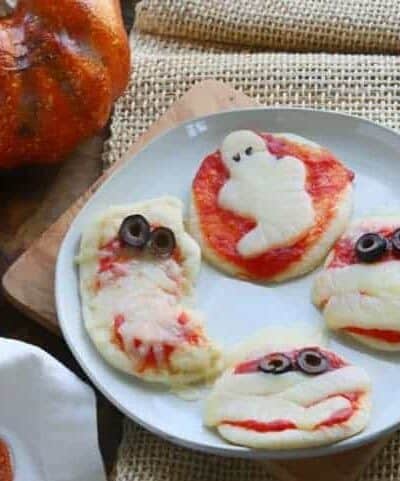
{"type": "Point", "coordinates": [47, 417]}
{"type": "Point", "coordinates": [6, 6]}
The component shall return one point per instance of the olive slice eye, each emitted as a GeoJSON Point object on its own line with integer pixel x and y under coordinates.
{"type": "Point", "coordinates": [396, 241]}
{"type": "Point", "coordinates": [249, 151]}
{"type": "Point", "coordinates": [135, 231]}
{"type": "Point", "coordinates": [312, 361]}
{"type": "Point", "coordinates": [236, 157]}
{"type": "Point", "coordinates": [275, 364]}
{"type": "Point", "coordinates": [162, 242]}
{"type": "Point", "coordinates": [370, 247]}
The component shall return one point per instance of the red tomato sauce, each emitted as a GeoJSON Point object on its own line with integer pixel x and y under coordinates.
{"type": "Point", "coordinates": [385, 335]}
{"type": "Point", "coordinates": [326, 180]}
{"type": "Point", "coordinates": [342, 415]}
{"type": "Point", "coordinates": [247, 367]}
{"type": "Point", "coordinates": [6, 469]}
{"type": "Point", "coordinates": [150, 360]}
{"type": "Point", "coordinates": [112, 257]}
{"type": "Point", "coordinates": [111, 253]}
{"type": "Point", "coordinates": [260, 427]}
{"type": "Point", "coordinates": [190, 336]}
{"type": "Point", "coordinates": [338, 417]}
{"type": "Point", "coordinates": [117, 338]}
{"type": "Point", "coordinates": [344, 252]}
{"type": "Point", "coordinates": [115, 253]}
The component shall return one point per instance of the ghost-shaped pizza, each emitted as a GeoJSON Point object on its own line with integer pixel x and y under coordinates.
{"type": "Point", "coordinates": [359, 287]}
{"type": "Point", "coordinates": [137, 269]}
{"type": "Point", "coordinates": [288, 396]}
{"type": "Point", "coordinates": [269, 207]}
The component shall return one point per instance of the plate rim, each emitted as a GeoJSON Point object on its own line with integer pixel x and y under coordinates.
{"type": "Point", "coordinates": [229, 450]}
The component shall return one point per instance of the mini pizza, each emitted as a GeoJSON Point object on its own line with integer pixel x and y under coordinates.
{"type": "Point", "coordinates": [137, 269]}
{"type": "Point", "coordinates": [359, 287]}
{"type": "Point", "coordinates": [289, 395]}
{"type": "Point", "coordinates": [269, 207]}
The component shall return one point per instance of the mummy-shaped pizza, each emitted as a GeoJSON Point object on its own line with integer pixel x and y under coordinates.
{"type": "Point", "coordinates": [287, 396]}
{"type": "Point", "coordinates": [269, 207]}
{"type": "Point", "coordinates": [137, 268]}
{"type": "Point", "coordinates": [359, 288]}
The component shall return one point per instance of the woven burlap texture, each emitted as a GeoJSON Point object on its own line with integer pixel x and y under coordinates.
{"type": "Point", "coordinates": [350, 26]}
{"type": "Point", "coordinates": [145, 457]}
{"type": "Point", "coordinates": [363, 85]}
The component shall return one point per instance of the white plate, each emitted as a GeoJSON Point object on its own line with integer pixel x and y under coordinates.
{"type": "Point", "coordinates": [167, 166]}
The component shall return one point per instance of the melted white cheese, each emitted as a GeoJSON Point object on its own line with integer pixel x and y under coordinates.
{"type": "Point", "coordinates": [294, 396]}
{"type": "Point", "coordinates": [270, 191]}
{"type": "Point", "coordinates": [362, 295]}
{"type": "Point", "coordinates": [304, 400]}
{"type": "Point", "coordinates": [147, 297]}
{"type": "Point", "coordinates": [265, 410]}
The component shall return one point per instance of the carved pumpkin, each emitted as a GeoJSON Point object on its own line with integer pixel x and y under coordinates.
{"type": "Point", "coordinates": [62, 65]}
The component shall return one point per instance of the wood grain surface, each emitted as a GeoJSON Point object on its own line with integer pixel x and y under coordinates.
{"type": "Point", "coordinates": [29, 282]}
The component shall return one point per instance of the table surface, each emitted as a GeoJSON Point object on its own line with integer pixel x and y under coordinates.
{"type": "Point", "coordinates": [30, 201]}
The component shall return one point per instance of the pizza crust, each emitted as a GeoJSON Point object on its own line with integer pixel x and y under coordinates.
{"type": "Point", "coordinates": [361, 295]}
{"type": "Point", "coordinates": [310, 260]}
{"type": "Point", "coordinates": [300, 439]}
{"type": "Point", "coordinates": [189, 363]}
{"type": "Point", "coordinates": [292, 397]}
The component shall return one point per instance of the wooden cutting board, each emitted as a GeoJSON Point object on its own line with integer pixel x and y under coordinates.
{"type": "Point", "coordinates": [28, 283]}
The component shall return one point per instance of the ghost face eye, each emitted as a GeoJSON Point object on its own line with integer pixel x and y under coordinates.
{"type": "Point", "coordinates": [275, 364]}
{"type": "Point", "coordinates": [312, 361]}
{"type": "Point", "coordinates": [249, 151]}
{"type": "Point", "coordinates": [236, 157]}
{"type": "Point", "coordinates": [135, 231]}
{"type": "Point", "coordinates": [371, 247]}
{"type": "Point", "coordinates": [162, 242]}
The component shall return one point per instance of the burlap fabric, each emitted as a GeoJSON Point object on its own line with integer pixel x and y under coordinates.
{"type": "Point", "coordinates": [144, 457]}
{"type": "Point", "coordinates": [365, 85]}
{"type": "Point", "coordinates": [164, 69]}
{"type": "Point", "coordinates": [357, 26]}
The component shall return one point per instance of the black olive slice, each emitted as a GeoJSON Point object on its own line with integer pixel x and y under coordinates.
{"type": "Point", "coordinates": [135, 231]}
{"type": "Point", "coordinates": [236, 157]}
{"type": "Point", "coordinates": [249, 151]}
{"type": "Point", "coordinates": [275, 364]}
{"type": "Point", "coordinates": [370, 247]}
{"type": "Point", "coordinates": [396, 241]}
{"type": "Point", "coordinates": [162, 242]}
{"type": "Point", "coordinates": [312, 361]}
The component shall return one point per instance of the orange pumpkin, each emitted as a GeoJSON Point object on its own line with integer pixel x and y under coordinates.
{"type": "Point", "coordinates": [62, 65]}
